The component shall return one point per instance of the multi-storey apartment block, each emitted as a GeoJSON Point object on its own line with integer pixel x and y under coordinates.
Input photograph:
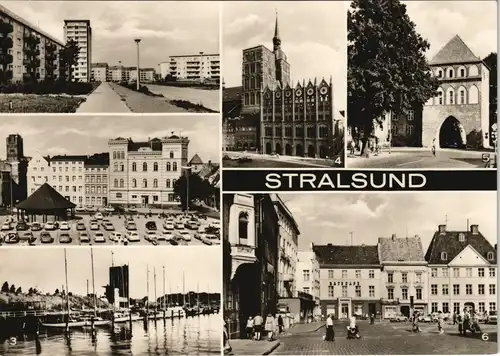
{"type": "Point", "coordinates": [81, 32]}
{"type": "Point", "coordinates": [100, 72]}
{"type": "Point", "coordinates": [31, 54]}
{"type": "Point", "coordinates": [307, 276]}
{"type": "Point", "coordinates": [67, 177]}
{"type": "Point", "coordinates": [144, 173]}
{"type": "Point", "coordinates": [197, 67]}
{"type": "Point", "coordinates": [96, 179]}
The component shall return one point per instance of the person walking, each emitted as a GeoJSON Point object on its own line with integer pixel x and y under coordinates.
{"type": "Point", "coordinates": [270, 326]}
{"type": "Point", "coordinates": [257, 326]}
{"type": "Point", "coordinates": [440, 322]}
{"type": "Point", "coordinates": [330, 333]}
{"type": "Point", "coordinates": [227, 346]}
{"type": "Point", "coordinates": [434, 147]}
{"type": "Point", "coordinates": [249, 329]}
{"type": "Point", "coordinates": [281, 325]}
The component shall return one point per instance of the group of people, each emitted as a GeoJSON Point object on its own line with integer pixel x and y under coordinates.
{"type": "Point", "coordinates": [467, 320]}
{"type": "Point", "coordinates": [352, 329]}
{"type": "Point", "coordinates": [256, 325]}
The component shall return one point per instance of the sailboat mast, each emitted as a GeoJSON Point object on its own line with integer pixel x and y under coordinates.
{"type": "Point", "coordinates": [66, 276]}
{"type": "Point", "coordinates": [198, 296]}
{"type": "Point", "coordinates": [164, 296]}
{"type": "Point", "coordinates": [183, 289]}
{"type": "Point", "coordinates": [93, 282]}
{"type": "Point", "coordinates": [208, 295]}
{"type": "Point", "coordinates": [156, 300]}
{"type": "Point", "coordinates": [147, 289]}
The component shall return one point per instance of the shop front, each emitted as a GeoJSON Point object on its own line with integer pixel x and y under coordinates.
{"type": "Point", "coordinates": [390, 308]}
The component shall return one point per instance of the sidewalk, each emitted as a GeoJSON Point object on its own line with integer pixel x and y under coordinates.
{"type": "Point", "coordinates": [252, 347]}
{"type": "Point", "coordinates": [305, 328]}
{"type": "Point", "coordinates": [103, 100]}
{"type": "Point", "coordinates": [306, 161]}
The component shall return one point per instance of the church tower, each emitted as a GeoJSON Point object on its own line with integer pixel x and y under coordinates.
{"type": "Point", "coordinates": [282, 66]}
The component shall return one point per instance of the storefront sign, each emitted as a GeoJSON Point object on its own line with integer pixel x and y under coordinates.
{"type": "Point", "coordinates": [346, 283]}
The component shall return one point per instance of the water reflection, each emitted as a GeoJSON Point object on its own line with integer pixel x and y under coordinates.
{"type": "Point", "coordinates": [189, 336]}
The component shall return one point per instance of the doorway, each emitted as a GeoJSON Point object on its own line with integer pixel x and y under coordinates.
{"type": "Point", "coordinates": [405, 310]}
{"type": "Point", "coordinates": [452, 134]}
{"type": "Point", "coordinates": [145, 200]}
{"type": "Point", "coordinates": [372, 309]}
{"type": "Point", "coordinates": [344, 310]}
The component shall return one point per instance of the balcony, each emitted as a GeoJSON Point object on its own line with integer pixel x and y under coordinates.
{"type": "Point", "coordinates": [288, 277]}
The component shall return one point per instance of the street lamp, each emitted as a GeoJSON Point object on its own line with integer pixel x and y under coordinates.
{"type": "Point", "coordinates": [137, 40]}
{"type": "Point", "coordinates": [188, 169]}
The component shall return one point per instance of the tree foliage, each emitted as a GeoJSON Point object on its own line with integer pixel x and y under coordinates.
{"type": "Point", "coordinates": [12, 288]}
{"type": "Point", "coordinates": [5, 287]}
{"type": "Point", "coordinates": [69, 57]}
{"type": "Point", "coordinates": [491, 62]}
{"type": "Point", "coordinates": [198, 188]}
{"type": "Point", "coordinates": [387, 68]}
{"type": "Point", "coordinates": [19, 290]}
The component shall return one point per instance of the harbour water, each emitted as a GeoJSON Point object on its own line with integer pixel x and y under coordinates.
{"type": "Point", "coordinates": [199, 335]}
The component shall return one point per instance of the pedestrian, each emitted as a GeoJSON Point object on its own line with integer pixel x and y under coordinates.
{"type": "Point", "coordinates": [257, 326]}
{"type": "Point", "coordinates": [440, 322]}
{"type": "Point", "coordinates": [460, 320]}
{"type": "Point", "coordinates": [281, 325]}
{"type": "Point", "coordinates": [372, 319]}
{"type": "Point", "coordinates": [270, 326]}
{"type": "Point", "coordinates": [330, 333]}
{"type": "Point", "coordinates": [454, 318]}
{"type": "Point", "coordinates": [227, 346]}
{"type": "Point", "coordinates": [249, 328]}
{"type": "Point", "coordinates": [434, 147]}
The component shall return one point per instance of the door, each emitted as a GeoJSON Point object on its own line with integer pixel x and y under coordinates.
{"type": "Point", "coordinates": [405, 310]}
{"type": "Point", "coordinates": [145, 200]}
{"type": "Point", "coordinates": [372, 309]}
{"type": "Point", "coordinates": [344, 310]}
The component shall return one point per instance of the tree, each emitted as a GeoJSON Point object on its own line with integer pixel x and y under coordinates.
{"type": "Point", "coordinates": [19, 290]}
{"type": "Point", "coordinates": [56, 292]}
{"type": "Point", "coordinates": [387, 68]}
{"type": "Point", "coordinates": [170, 78]}
{"type": "Point", "coordinates": [12, 288]}
{"type": "Point", "coordinates": [198, 188]}
{"type": "Point", "coordinates": [69, 57]}
{"type": "Point", "coordinates": [30, 291]}
{"type": "Point", "coordinates": [5, 287]}
{"type": "Point", "coordinates": [491, 62]}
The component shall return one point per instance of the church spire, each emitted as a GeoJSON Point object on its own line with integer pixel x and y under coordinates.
{"type": "Point", "coordinates": [276, 38]}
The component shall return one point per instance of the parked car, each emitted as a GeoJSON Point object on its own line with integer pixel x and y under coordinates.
{"type": "Point", "coordinates": [64, 238]}
{"type": "Point", "coordinates": [94, 226]}
{"type": "Point", "coordinates": [131, 226]}
{"type": "Point", "coordinates": [151, 236]}
{"type": "Point", "coordinates": [6, 226]}
{"type": "Point", "coordinates": [213, 238]}
{"type": "Point", "coordinates": [399, 318]}
{"type": "Point", "coordinates": [99, 216]}
{"type": "Point", "coordinates": [80, 226]}
{"type": "Point", "coordinates": [133, 236]}
{"type": "Point", "coordinates": [132, 210]}
{"type": "Point", "coordinates": [80, 209]}
{"type": "Point", "coordinates": [22, 226]}
{"type": "Point", "coordinates": [109, 209]}
{"type": "Point", "coordinates": [108, 226]}
{"type": "Point", "coordinates": [116, 236]}
{"type": "Point", "coordinates": [64, 226]}
{"type": "Point", "coordinates": [11, 238]}
{"type": "Point", "coordinates": [151, 225]}
{"type": "Point", "coordinates": [166, 235]}
{"type": "Point", "coordinates": [46, 237]}
{"type": "Point", "coordinates": [215, 224]}
{"type": "Point", "coordinates": [99, 237]}
{"type": "Point", "coordinates": [50, 225]}
{"type": "Point", "coordinates": [90, 208]}
{"type": "Point", "coordinates": [184, 235]}
{"type": "Point", "coordinates": [27, 236]}
{"type": "Point", "coordinates": [492, 317]}
{"type": "Point", "coordinates": [191, 225]}
{"type": "Point", "coordinates": [36, 226]}
{"type": "Point", "coordinates": [173, 242]}
{"type": "Point", "coordinates": [84, 237]}
{"type": "Point", "coordinates": [179, 226]}
{"type": "Point", "coordinates": [168, 226]}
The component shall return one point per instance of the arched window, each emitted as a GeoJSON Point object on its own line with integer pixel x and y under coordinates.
{"type": "Point", "coordinates": [473, 95]}
{"type": "Point", "coordinates": [444, 256]}
{"type": "Point", "coordinates": [440, 96]}
{"type": "Point", "coordinates": [174, 166]}
{"type": "Point", "coordinates": [171, 154]}
{"type": "Point", "coordinates": [491, 256]}
{"type": "Point", "coordinates": [144, 183]}
{"type": "Point", "coordinates": [155, 183]}
{"type": "Point", "coordinates": [115, 167]}
{"type": "Point", "coordinates": [462, 95]}
{"type": "Point", "coordinates": [439, 73]}
{"type": "Point", "coordinates": [122, 167]}
{"type": "Point", "coordinates": [451, 73]}
{"type": "Point", "coordinates": [134, 183]}
{"type": "Point", "coordinates": [155, 167]}
{"type": "Point", "coordinates": [114, 154]}
{"type": "Point", "coordinates": [144, 167]}
{"type": "Point", "coordinates": [115, 183]}
{"type": "Point", "coordinates": [123, 155]}
{"type": "Point", "coordinates": [473, 71]}
{"type": "Point", "coordinates": [121, 183]}
{"type": "Point", "coordinates": [243, 228]}
{"type": "Point", "coordinates": [450, 96]}
{"type": "Point", "coordinates": [168, 167]}
{"type": "Point", "coordinates": [461, 72]}
{"type": "Point", "coordinates": [168, 183]}
{"type": "Point", "coordinates": [134, 167]}
{"type": "Point", "coordinates": [173, 182]}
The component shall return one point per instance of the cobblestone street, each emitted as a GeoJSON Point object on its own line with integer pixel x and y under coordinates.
{"type": "Point", "coordinates": [389, 339]}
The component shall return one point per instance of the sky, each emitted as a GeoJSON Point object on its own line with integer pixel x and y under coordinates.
{"type": "Point", "coordinates": [329, 218]}
{"type": "Point", "coordinates": [313, 36]}
{"type": "Point", "coordinates": [45, 270]}
{"type": "Point", "coordinates": [166, 28]}
{"type": "Point", "coordinates": [58, 135]}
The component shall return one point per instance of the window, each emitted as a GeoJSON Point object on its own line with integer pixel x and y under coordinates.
{"type": "Point", "coordinates": [445, 272]}
{"type": "Point", "coordinates": [404, 277]}
{"type": "Point", "coordinates": [371, 291]}
{"type": "Point", "coordinates": [440, 96]}
{"type": "Point", "coordinates": [358, 273]}
{"type": "Point", "coordinates": [344, 291]}
{"type": "Point", "coordinates": [434, 289]}
{"type": "Point", "coordinates": [434, 307]}
{"type": "Point", "coordinates": [468, 289]}
{"type": "Point", "coordinates": [171, 154]}
{"type": "Point", "coordinates": [434, 272]}
{"type": "Point", "coordinates": [450, 73]}
{"type": "Point", "coordinates": [462, 73]}
{"type": "Point", "coordinates": [418, 277]}
{"type": "Point", "coordinates": [493, 306]}
{"type": "Point", "coordinates": [243, 228]}
{"type": "Point", "coordinates": [344, 273]}
{"type": "Point", "coordinates": [444, 256]}
{"type": "Point", "coordinates": [390, 277]}
{"type": "Point", "coordinates": [134, 183]}
{"type": "Point", "coordinates": [462, 96]}
{"type": "Point", "coordinates": [358, 291]}
{"type": "Point", "coordinates": [473, 95]}
{"type": "Point", "coordinates": [469, 272]}
{"type": "Point", "coordinates": [480, 272]}
{"type": "Point", "coordinates": [330, 274]}
{"type": "Point", "coordinates": [155, 183]}
{"type": "Point", "coordinates": [451, 96]}
{"type": "Point", "coordinates": [121, 183]}
{"type": "Point", "coordinates": [174, 166]}
{"type": "Point", "coordinates": [122, 167]}
{"type": "Point", "coordinates": [456, 289]}
{"type": "Point", "coordinates": [390, 293]}
{"type": "Point", "coordinates": [167, 183]}
{"type": "Point", "coordinates": [480, 289]}
{"type": "Point", "coordinates": [492, 272]}
{"type": "Point", "coordinates": [115, 183]}
{"type": "Point", "coordinates": [491, 256]}
{"type": "Point", "coordinates": [330, 291]}
{"type": "Point", "coordinates": [169, 166]}
{"type": "Point", "coordinates": [481, 307]}
{"type": "Point", "coordinates": [119, 195]}
{"type": "Point", "coordinates": [306, 290]}
{"type": "Point", "coordinates": [493, 289]}
{"type": "Point", "coordinates": [411, 115]}
{"type": "Point", "coordinates": [306, 275]}
{"type": "Point", "coordinates": [456, 272]}
{"type": "Point", "coordinates": [446, 307]}
{"type": "Point", "coordinates": [409, 130]}
{"type": "Point", "coordinates": [134, 167]}
{"type": "Point", "coordinates": [444, 289]}
{"type": "Point", "coordinates": [144, 167]}
{"type": "Point", "coordinates": [371, 274]}
{"type": "Point", "coordinates": [144, 183]}
{"type": "Point", "coordinates": [456, 308]}
{"type": "Point", "coordinates": [404, 293]}
{"type": "Point", "coordinates": [440, 73]}
{"type": "Point", "coordinates": [155, 167]}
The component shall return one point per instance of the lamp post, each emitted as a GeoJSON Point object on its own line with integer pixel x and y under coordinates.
{"type": "Point", "coordinates": [137, 40]}
{"type": "Point", "coordinates": [188, 169]}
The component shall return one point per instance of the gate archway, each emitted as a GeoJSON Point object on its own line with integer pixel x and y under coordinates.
{"type": "Point", "coordinates": [278, 148]}
{"type": "Point", "coordinates": [452, 134]}
{"type": "Point", "coordinates": [269, 148]}
{"type": "Point", "coordinates": [288, 150]}
{"type": "Point", "coordinates": [311, 151]}
{"type": "Point", "coordinates": [299, 150]}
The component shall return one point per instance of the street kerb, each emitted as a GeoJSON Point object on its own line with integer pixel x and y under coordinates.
{"type": "Point", "coordinates": [273, 347]}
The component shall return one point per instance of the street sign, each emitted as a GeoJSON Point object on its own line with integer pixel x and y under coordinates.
{"type": "Point", "coordinates": [486, 157]}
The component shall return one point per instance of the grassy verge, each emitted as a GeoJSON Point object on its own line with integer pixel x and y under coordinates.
{"type": "Point", "coordinates": [189, 106]}
{"type": "Point", "coordinates": [190, 85]}
{"type": "Point", "coordinates": [31, 103]}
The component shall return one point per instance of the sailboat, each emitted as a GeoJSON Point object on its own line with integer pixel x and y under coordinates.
{"type": "Point", "coordinates": [94, 319]}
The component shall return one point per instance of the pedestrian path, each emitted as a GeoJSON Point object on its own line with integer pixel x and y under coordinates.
{"type": "Point", "coordinates": [305, 327]}
{"type": "Point", "coordinates": [103, 100]}
{"type": "Point", "coordinates": [252, 347]}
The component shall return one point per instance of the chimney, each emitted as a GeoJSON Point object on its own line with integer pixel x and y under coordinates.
{"type": "Point", "coordinates": [393, 237]}
{"type": "Point", "coordinates": [474, 229]}
{"type": "Point", "coordinates": [442, 229]}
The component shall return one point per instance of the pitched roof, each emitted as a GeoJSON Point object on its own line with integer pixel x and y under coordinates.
{"type": "Point", "coordinates": [230, 94]}
{"type": "Point", "coordinates": [68, 158]}
{"type": "Point", "coordinates": [400, 249]}
{"type": "Point", "coordinates": [195, 160]}
{"type": "Point", "coordinates": [455, 51]}
{"type": "Point", "coordinates": [449, 242]}
{"type": "Point", "coordinates": [347, 255]}
{"type": "Point", "coordinates": [45, 198]}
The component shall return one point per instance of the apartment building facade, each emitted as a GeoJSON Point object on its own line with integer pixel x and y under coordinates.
{"type": "Point", "coordinates": [144, 173]}
{"type": "Point", "coordinates": [96, 180]}
{"type": "Point", "coordinates": [307, 276]}
{"type": "Point", "coordinates": [81, 32]}
{"type": "Point", "coordinates": [31, 53]}
{"type": "Point", "coordinates": [196, 67]}
{"type": "Point", "coordinates": [100, 72]}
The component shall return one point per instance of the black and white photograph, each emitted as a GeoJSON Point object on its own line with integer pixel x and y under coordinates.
{"type": "Point", "coordinates": [360, 273]}
{"type": "Point", "coordinates": [110, 301]}
{"type": "Point", "coordinates": [426, 95]}
{"type": "Point", "coordinates": [110, 180]}
{"type": "Point", "coordinates": [77, 57]}
{"type": "Point", "coordinates": [284, 84]}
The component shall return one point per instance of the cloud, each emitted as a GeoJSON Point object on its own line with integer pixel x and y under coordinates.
{"type": "Point", "coordinates": [251, 21]}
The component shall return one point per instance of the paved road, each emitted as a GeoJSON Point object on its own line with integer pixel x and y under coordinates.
{"type": "Point", "coordinates": [267, 161]}
{"type": "Point", "coordinates": [103, 100]}
{"type": "Point", "coordinates": [207, 98]}
{"type": "Point", "coordinates": [419, 159]}
{"type": "Point", "coordinates": [119, 226]}
{"type": "Point", "coordinates": [389, 339]}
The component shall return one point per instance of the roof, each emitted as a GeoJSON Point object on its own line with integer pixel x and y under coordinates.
{"type": "Point", "coordinates": [70, 21]}
{"type": "Point", "coordinates": [98, 65]}
{"type": "Point", "coordinates": [346, 255]}
{"type": "Point", "coordinates": [280, 204]}
{"type": "Point", "coordinates": [194, 55]}
{"type": "Point", "coordinates": [455, 51]}
{"type": "Point", "coordinates": [68, 158]}
{"type": "Point", "coordinates": [45, 198]}
{"type": "Point", "coordinates": [135, 146]}
{"type": "Point", "coordinates": [195, 160]}
{"type": "Point", "coordinates": [401, 249]}
{"type": "Point", "coordinates": [98, 159]}
{"type": "Point", "coordinates": [233, 93]}
{"type": "Point", "coordinates": [448, 242]}
{"type": "Point", "coordinates": [209, 170]}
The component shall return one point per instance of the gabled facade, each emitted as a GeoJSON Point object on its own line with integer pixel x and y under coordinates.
{"type": "Point", "coordinates": [462, 271]}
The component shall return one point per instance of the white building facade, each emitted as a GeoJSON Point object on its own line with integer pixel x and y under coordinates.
{"type": "Point", "coordinates": [81, 32]}
{"type": "Point", "coordinates": [307, 276]}
{"type": "Point", "coordinates": [38, 173]}
{"type": "Point", "coordinates": [197, 67]}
